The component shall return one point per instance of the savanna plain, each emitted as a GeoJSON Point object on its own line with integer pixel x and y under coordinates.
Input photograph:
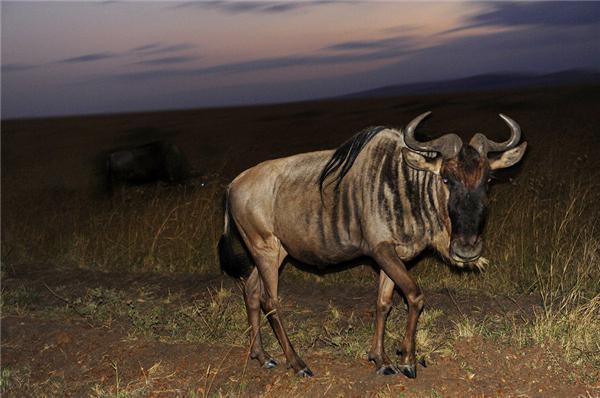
{"type": "Point", "coordinates": [122, 296]}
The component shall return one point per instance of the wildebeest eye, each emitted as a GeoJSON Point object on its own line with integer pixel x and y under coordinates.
{"type": "Point", "coordinates": [445, 180]}
{"type": "Point", "coordinates": [489, 179]}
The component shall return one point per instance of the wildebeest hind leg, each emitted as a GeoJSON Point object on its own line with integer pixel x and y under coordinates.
{"type": "Point", "coordinates": [377, 354]}
{"type": "Point", "coordinates": [252, 291]}
{"type": "Point", "coordinates": [268, 266]}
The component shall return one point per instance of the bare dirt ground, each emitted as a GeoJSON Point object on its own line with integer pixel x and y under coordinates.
{"type": "Point", "coordinates": [55, 345]}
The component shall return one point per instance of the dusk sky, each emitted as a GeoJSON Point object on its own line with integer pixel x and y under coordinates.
{"type": "Point", "coordinates": [62, 58]}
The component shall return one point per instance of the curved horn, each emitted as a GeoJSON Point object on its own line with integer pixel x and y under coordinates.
{"type": "Point", "coordinates": [483, 145]}
{"type": "Point", "coordinates": [447, 145]}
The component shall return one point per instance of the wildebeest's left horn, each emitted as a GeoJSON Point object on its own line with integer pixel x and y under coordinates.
{"type": "Point", "coordinates": [485, 145]}
{"type": "Point", "coordinates": [447, 145]}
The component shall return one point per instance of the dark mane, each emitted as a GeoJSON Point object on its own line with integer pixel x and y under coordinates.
{"type": "Point", "coordinates": [345, 155]}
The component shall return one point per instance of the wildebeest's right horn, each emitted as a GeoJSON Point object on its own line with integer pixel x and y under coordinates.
{"type": "Point", "coordinates": [485, 145]}
{"type": "Point", "coordinates": [447, 145]}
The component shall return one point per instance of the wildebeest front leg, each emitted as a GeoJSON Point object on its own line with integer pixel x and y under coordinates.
{"type": "Point", "coordinates": [384, 305]}
{"type": "Point", "coordinates": [252, 291]}
{"type": "Point", "coordinates": [390, 263]}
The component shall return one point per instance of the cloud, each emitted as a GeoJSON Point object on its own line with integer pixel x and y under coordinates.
{"type": "Point", "coordinates": [269, 63]}
{"type": "Point", "coordinates": [390, 42]}
{"type": "Point", "coordinates": [145, 47]}
{"type": "Point", "coordinates": [265, 7]}
{"type": "Point", "coordinates": [88, 58]}
{"type": "Point", "coordinates": [17, 67]}
{"type": "Point", "coordinates": [514, 14]}
{"type": "Point", "coordinates": [157, 48]}
{"type": "Point", "coordinates": [401, 29]}
{"type": "Point", "coordinates": [146, 50]}
{"type": "Point", "coordinates": [340, 53]}
{"type": "Point", "coordinates": [168, 60]}
{"type": "Point", "coordinates": [540, 49]}
{"type": "Point", "coordinates": [143, 50]}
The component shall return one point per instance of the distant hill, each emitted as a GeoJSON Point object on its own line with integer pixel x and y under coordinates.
{"type": "Point", "coordinates": [492, 81]}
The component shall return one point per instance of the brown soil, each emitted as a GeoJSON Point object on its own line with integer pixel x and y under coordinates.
{"type": "Point", "coordinates": [68, 355]}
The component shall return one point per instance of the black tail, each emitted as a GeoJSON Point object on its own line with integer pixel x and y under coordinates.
{"type": "Point", "coordinates": [233, 254]}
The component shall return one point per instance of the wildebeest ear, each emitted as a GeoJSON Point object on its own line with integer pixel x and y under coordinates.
{"type": "Point", "coordinates": [420, 162]}
{"type": "Point", "coordinates": [509, 157]}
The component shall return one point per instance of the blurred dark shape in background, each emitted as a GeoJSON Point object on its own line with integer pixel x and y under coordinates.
{"type": "Point", "coordinates": [141, 164]}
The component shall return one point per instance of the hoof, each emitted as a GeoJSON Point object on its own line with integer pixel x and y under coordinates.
{"type": "Point", "coordinates": [306, 372]}
{"type": "Point", "coordinates": [387, 370]}
{"type": "Point", "coordinates": [422, 362]}
{"type": "Point", "coordinates": [409, 371]}
{"type": "Point", "coordinates": [270, 364]}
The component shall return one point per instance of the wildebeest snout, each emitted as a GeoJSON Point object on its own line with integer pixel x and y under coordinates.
{"type": "Point", "coordinates": [466, 248]}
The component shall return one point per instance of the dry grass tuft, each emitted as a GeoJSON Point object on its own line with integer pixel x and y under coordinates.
{"type": "Point", "coordinates": [567, 282]}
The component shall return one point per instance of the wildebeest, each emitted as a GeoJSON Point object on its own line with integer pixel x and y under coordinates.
{"type": "Point", "coordinates": [381, 194]}
{"type": "Point", "coordinates": [155, 161]}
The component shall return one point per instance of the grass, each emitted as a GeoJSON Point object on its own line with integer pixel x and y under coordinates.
{"type": "Point", "coordinates": [158, 228]}
{"type": "Point", "coordinates": [562, 251]}
{"type": "Point", "coordinates": [341, 333]}
{"type": "Point", "coordinates": [20, 379]}
{"type": "Point", "coordinates": [21, 300]}
{"type": "Point", "coordinates": [6, 375]}
{"type": "Point", "coordinates": [140, 387]}
{"type": "Point", "coordinates": [218, 316]}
